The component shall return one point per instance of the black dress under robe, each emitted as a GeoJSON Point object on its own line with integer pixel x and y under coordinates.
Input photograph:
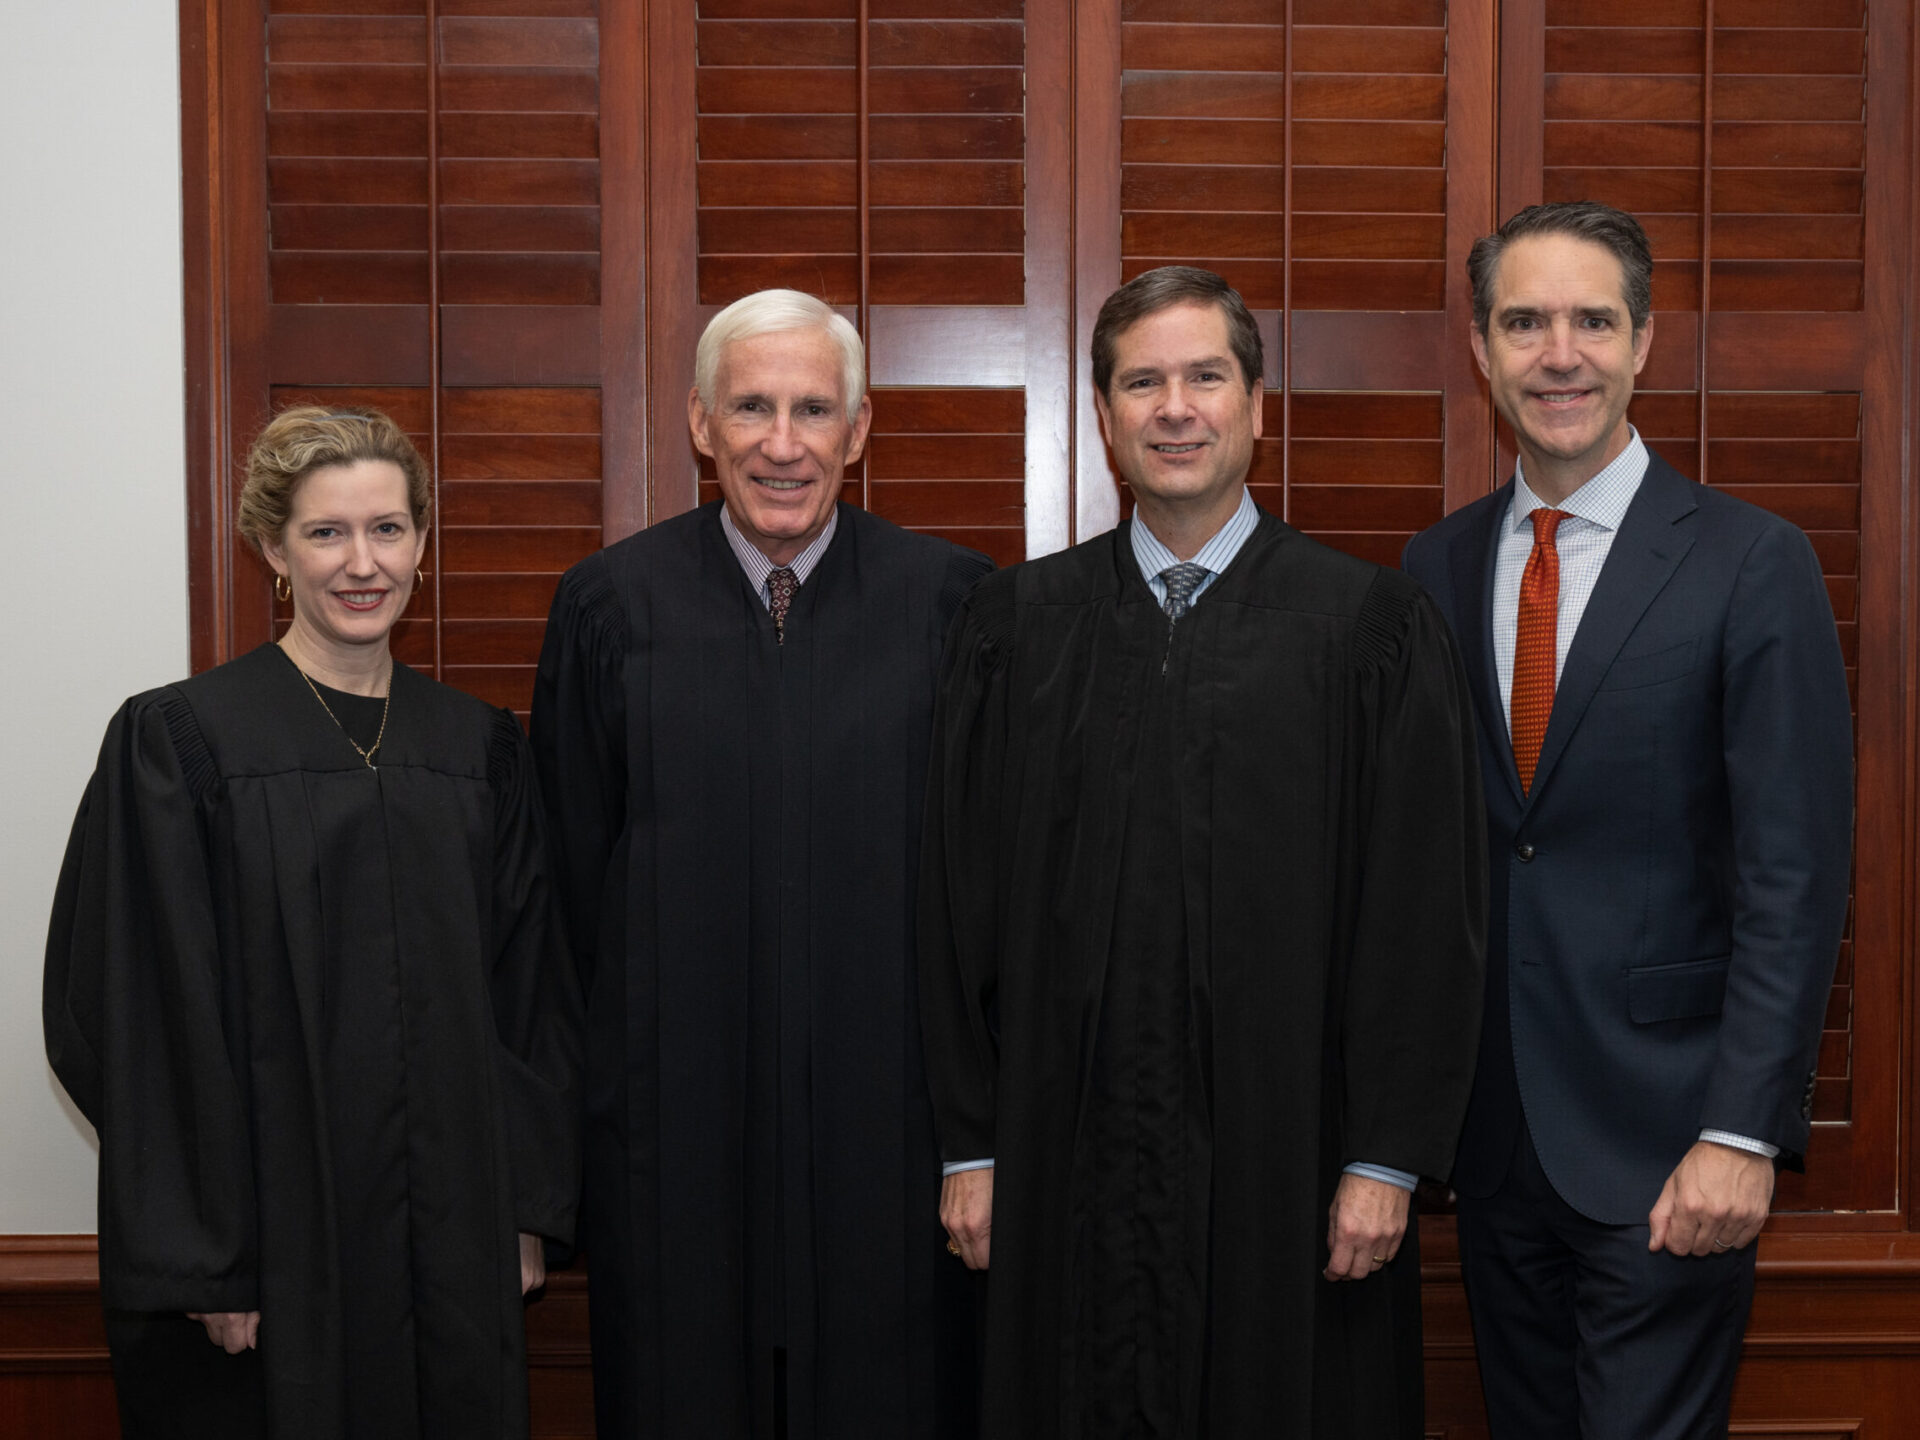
{"type": "Point", "coordinates": [1202, 922]}
{"type": "Point", "coordinates": [324, 1023]}
{"type": "Point", "coordinates": [737, 824]}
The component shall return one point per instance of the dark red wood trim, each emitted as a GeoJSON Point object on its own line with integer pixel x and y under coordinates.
{"type": "Point", "coordinates": [672, 279]}
{"type": "Point", "coordinates": [1053, 398]}
{"type": "Point", "coordinates": [1891, 415]}
{"type": "Point", "coordinates": [223, 235]}
{"type": "Point", "coordinates": [1472, 146]}
{"type": "Point", "coordinates": [242, 161]}
{"type": "Point", "coordinates": [433, 313]}
{"type": "Point", "coordinates": [200, 241]}
{"type": "Point", "coordinates": [1286, 266]}
{"type": "Point", "coordinates": [1096, 240]}
{"type": "Point", "coordinates": [1883, 932]}
{"type": "Point", "coordinates": [863, 180]}
{"type": "Point", "coordinates": [1523, 104]}
{"type": "Point", "coordinates": [1706, 241]}
{"type": "Point", "coordinates": [623, 242]}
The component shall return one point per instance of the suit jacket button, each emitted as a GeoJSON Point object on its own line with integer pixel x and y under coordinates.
{"type": "Point", "coordinates": [1524, 851]}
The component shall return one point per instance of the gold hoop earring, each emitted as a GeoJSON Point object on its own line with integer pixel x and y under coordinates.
{"type": "Point", "coordinates": [281, 589]}
{"type": "Point", "coordinates": [419, 580]}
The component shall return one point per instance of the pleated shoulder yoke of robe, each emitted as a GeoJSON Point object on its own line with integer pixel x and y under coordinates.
{"type": "Point", "coordinates": [1203, 922]}
{"type": "Point", "coordinates": [738, 825]}
{"type": "Point", "coordinates": [323, 1019]}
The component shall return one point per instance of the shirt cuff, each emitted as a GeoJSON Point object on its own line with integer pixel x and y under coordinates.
{"type": "Point", "coordinates": [1383, 1173]}
{"type": "Point", "coordinates": [954, 1167]}
{"type": "Point", "coordinates": [1740, 1142]}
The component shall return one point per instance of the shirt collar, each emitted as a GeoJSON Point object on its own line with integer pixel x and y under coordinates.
{"type": "Point", "coordinates": [1152, 557]}
{"type": "Point", "coordinates": [1602, 500]}
{"type": "Point", "coordinates": [758, 566]}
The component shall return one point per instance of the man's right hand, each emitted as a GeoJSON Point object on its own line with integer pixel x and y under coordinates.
{"type": "Point", "coordinates": [232, 1330]}
{"type": "Point", "coordinates": [966, 1209]}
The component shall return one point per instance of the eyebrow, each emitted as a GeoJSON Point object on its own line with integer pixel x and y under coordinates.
{"type": "Point", "coordinates": [830, 401]}
{"type": "Point", "coordinates": [1513, 312]}
{"type": "Point", "coordinates": [1141, 372]}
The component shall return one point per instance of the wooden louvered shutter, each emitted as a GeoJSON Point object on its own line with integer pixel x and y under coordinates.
{"type": "Point", "coordinates": [1738, 130]}
{"type": "Point", "coordinates": [1303, 151]}
{"type": "Point", "coordinates": [881, 166]}
{"type": "Point", "coordinates": [433, 250]}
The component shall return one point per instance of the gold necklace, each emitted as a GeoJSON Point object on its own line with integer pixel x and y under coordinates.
{"type": "Point", "coordinates": [386, 705]}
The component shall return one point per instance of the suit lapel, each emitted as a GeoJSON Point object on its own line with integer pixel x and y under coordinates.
{"type": "Point", "coordinates": [1472, 557]}
{"type": "Point", "coordinates": [1642, 558]}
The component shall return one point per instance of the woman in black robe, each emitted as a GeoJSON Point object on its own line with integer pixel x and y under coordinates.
{"type": "Point", "coordinates": [303, 979]}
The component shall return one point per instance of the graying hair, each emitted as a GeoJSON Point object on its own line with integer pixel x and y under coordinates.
{"type": "Point", "coordinates": [1615, 231]}
{"type": "Point", "coordinates": [778, 312]}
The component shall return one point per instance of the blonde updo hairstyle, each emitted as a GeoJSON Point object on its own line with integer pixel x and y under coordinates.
{"type": "Point", "coordinates": [306, 438]}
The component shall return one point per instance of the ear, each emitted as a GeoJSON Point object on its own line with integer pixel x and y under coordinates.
{"type": "Point", "coordinates": [1106, 417]}
{"type": "Point", "coordinates": [275, 552]}
{"type": "Point", "coordinates": [697, 418]}
{"type": "Point", "coordinates": [862, 423]}
{"type": "Point", "coordinates": [419, 547]}
{"type": "Point", "coordinates": [1478, 338]}
{"type": "Point", "coordinates": [1259, 397]}
{"type": "Point", "coordinates": [1642, 344]}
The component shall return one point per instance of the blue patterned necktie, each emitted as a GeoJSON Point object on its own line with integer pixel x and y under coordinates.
{"type": "Point", "coordinates": [1181, 581]}
{"type": "Point", "coordinates": [780, 587]}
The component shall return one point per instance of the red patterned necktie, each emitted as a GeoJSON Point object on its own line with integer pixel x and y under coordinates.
{"type": "Point", "coordinates": [1536, 643]}
{"type": "Point", "coordinates": [781, 584]}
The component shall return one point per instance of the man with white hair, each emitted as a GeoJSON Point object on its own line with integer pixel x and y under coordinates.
{"type": "Point", "coordinates": [732, 718]}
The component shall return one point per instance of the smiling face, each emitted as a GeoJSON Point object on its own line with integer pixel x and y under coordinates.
{"type": "Point", "coordinates": [1180, 417]}
{"type": "Point", "coordinates": [780, 436]}
{"type": "Point", "coordinates": [1560, 354]}
{"type": "Point", "coordinates": [348, 552]}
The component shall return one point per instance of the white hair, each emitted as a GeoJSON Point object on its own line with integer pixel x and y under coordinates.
{"type": "Point", "coordinates": [776, 312]}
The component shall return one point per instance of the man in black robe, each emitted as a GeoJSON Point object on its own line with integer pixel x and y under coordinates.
{"type": "Point", "coordinates": [731, 720]}
{"type": "Point", "coordinates": [1202, 921]}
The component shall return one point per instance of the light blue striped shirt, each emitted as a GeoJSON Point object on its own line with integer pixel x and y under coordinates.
{"type": "Point", "coordinates": [1584, 539]}
{"type": "Point", "coordinates": [1153, 557]}
{"type": "Point", "coordinates": [759, 567]}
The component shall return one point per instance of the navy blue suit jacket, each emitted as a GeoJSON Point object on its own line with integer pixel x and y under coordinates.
{"type": "Point", "coordinates": [1667, 901]}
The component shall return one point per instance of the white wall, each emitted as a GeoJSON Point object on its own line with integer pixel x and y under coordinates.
{"type": "Point", "coordinates": [92, 489]}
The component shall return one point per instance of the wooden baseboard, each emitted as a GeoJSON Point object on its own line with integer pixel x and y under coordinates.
{"type": "Point", "coordinates": [56, 1380]}
{"type": "Point", "coordinates": [1833, 1349]}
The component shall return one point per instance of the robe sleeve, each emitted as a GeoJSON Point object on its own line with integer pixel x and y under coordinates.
{"type": "Point", "coordinates": [135, 1025]}
{"type": "Point", "coordinates": [959, 922]}
{"type": "Point", "coordinates": [1412, 999]}
{"type": "Point", "coordinates": [536, 1001]}
{"type": "Point", "coordinates": [579, 746]}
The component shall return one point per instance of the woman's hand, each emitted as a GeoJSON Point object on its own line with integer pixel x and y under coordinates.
{"type": "Point", "coordinates": [232, 1330]}
{"type": "Point", "coordinates": [533, 1263]}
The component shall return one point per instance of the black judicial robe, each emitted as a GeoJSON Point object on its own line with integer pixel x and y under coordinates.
{"type": "Point", "coordinates": [737, 824]}
{"type": "Point", "coordinates": [323, 1020]}
{"type": "Point", "coordinates": [1202, 922]}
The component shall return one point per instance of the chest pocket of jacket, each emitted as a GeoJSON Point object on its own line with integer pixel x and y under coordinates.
{"type": "Point", "coordinates": [1676, 992]}
{"type": "Point", "coordinates": [1635, 672]}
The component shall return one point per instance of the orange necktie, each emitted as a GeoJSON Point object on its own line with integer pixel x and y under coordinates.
{"type": "Point", "coordinates": [1535, 645]}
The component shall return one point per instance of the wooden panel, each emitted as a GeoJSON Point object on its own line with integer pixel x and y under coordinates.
{"type": "Point", "coordinates": [1306, 161]}
{"type": "Point", "coordinates": [932, 95]}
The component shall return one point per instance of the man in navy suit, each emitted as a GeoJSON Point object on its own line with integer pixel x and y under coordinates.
{"type": "Point", "coordinates": [1665, 742]}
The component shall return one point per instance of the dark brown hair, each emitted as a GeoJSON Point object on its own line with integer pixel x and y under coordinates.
{"type": "Point", "coordinates": [1161, 289]}
{"type": "Point", "coordinates": [1613, 230]}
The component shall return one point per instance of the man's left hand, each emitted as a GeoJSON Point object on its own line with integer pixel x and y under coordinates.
{"type": "Point", "coordinates": [1365, 1224]}
{"type": "Point", "coordinates": [1716, 1199]}
{"type": "Point", "coordinates": [533, 1263]}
